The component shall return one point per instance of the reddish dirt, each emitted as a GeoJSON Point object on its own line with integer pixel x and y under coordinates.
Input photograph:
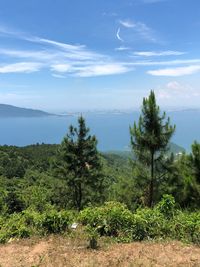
{"type": "Point", "coordinates": [57, 251]}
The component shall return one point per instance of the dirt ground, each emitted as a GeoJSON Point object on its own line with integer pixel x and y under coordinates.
{"type": "Point", "coordinates": [57, 251]}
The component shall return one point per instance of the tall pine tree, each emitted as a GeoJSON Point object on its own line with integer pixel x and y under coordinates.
{"type": "Point", "coordinates": [80, 163]}
{"type": "Point", "coordinates": [150, 140]}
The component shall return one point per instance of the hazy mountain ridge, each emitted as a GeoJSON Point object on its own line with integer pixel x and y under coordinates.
{"type": "Point", "coordinates": [173, 148]}
{"type": "Point", "coordinates": [13, 111]}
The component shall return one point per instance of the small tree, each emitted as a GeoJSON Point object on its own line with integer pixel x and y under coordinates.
{"type": "Point", "coordinates": [190, 173]}
{"type": "Point", "coordinates": [80, 163]}
{"type": "Point", "coordinates": [194, 159]}
{"type": "Point", "coordinates": [150, 140]}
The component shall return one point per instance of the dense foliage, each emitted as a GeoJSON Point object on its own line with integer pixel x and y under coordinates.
{"type": "Point", "coordinates": [164, 221]}
{"type": "Point", "coordinates": [113, 219]}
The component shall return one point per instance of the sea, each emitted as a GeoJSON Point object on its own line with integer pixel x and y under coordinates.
{"type": "Point", "coordinates": [110, 128]}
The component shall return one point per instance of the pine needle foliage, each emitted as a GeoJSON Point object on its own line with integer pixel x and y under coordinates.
{"type": "Point", "coordinates": [150, 139]}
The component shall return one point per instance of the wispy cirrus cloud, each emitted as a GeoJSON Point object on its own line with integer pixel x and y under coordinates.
{"type": "Point", "coordinates": [60, 58]}
{"type": "Point", "coordinates": [147, 63]}
{"type": "Point", "coordinates": [63, 59]}
{"type": "Point", "coordinates": [30, 54]}
{"type": "Point", "coordinates": [21, 67]}
{"type": "Point", "coordinates": [103, 69]}
{"type": "Point", "coordinates": [139, 28]}
{"type": "Point", "coordinates": [158, 53]}
{"type": "Point", "coordinates": [90, 70]}
{"type": "Point", "coordinates": [127, 23]}
{"type": "Point", "coordinates": [122, 48]}
{"type": "Point", "coordinates": [56, 75]}
{"type": "Point", "coordinates": [175, 72]}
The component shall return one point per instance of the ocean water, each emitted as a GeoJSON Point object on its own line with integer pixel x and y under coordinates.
{"type": "Point", "coordinates": [111, 130]}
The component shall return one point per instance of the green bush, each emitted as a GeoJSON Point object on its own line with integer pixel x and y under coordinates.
{"type": "Point", "coordinates": [30, 222]}
{"type": "Point", "coordinates": [56, 221]}
{"type": "Point", "coordinates": [114, 219]}
{"type": "Point", "coordinates": [147, 224]}
{"type": "Point", "coordinates": [186, 227]}
{"type": "Point", "coordinates": [14, 226]}
{"type": "Point", "coordinates": [33, 220]}
{"type": "Point", "coordinates": [110, 219]}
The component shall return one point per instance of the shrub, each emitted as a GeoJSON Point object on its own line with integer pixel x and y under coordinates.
{"type": "Point", "coordinates": [30, 222]}
{"type": "Point", "coordinates": [167, 206]}
{"type": "Point", "coordinates": [186, 227]}
{"type": "Point", "coordinates": [110, 219]}
{"type": "Point", "coordinates": [56, 221]}
{"type": "Point", "coordinates": [14, 226]}
{"type": "Point", "coordinates": [147, 224]}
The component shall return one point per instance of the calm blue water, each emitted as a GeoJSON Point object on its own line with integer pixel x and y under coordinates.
{"type": "Point", "coordinates": [112, 131]}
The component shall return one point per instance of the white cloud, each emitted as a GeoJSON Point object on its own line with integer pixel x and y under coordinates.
{"type": "Point", "coordinates": [79, 52]}
{"type": "Point", "coordinates": [60, 58]}
{"type": "Point", "coordinates": [156, 53]}
{"type": "Point", "coordinates": [58, 76]}
{"type": "Point", "coordinates": [30, 54]}
{"type": "Point", "coordinates": [127, 23]}
{"type": "Point", "coordinates": [176, 91]}
{"type": "Point", "coordinates": [21, 67]}
{"type": "Point", "coordinates": [78, 60]}
{"type": "Point", "coordinates": [61, 68]}
{"type": "Point", "coordinates": [146, 63]}
{"type": "Point", "coordinates": [140, 28]}
{"type": "Point", "coordinates": [174, 72]}
{"type": "Point", "coordinates": [98, 70]}
{"type": "Point", "coordinates": [122, 48]}
{"type": "Point", "coordinates": [56, 57]}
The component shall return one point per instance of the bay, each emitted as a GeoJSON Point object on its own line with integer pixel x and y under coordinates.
{"type": "Point", "coordinates": [111, 129]}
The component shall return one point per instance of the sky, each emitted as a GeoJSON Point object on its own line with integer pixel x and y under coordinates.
{"type": "Point", "coordinates": [66, 55]}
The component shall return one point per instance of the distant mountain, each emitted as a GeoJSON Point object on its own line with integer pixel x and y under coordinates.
{"type": "Point", "coordinates": [173, 148]}
{"type": "Point", "coordinates": [176, 149]}
{"type": "Point", "coordinates": [12, 111]}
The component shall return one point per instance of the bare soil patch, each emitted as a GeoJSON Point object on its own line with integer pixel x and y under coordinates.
{"type": "Point", "coordinates": [57, 251]}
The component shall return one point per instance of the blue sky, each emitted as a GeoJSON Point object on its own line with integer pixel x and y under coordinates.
{"type": "Point", "coordinates": [61, 55]}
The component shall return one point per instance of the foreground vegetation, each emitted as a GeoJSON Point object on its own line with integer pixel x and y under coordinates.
{"type": "Point", "coordinates": [113, 219]}
{"type": "Point", "coordinates": [149, 194]}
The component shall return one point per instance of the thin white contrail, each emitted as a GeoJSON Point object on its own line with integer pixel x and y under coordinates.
{"type": "Point", "coordinates": [118, 36]}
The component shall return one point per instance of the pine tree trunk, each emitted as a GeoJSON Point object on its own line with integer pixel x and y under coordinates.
{"type": "Point", "coordinates": [79, 197]}
{"type": "Point", "coordinates": [151, 185]}
{"type": "Point", "coordinates": [76, 204]}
